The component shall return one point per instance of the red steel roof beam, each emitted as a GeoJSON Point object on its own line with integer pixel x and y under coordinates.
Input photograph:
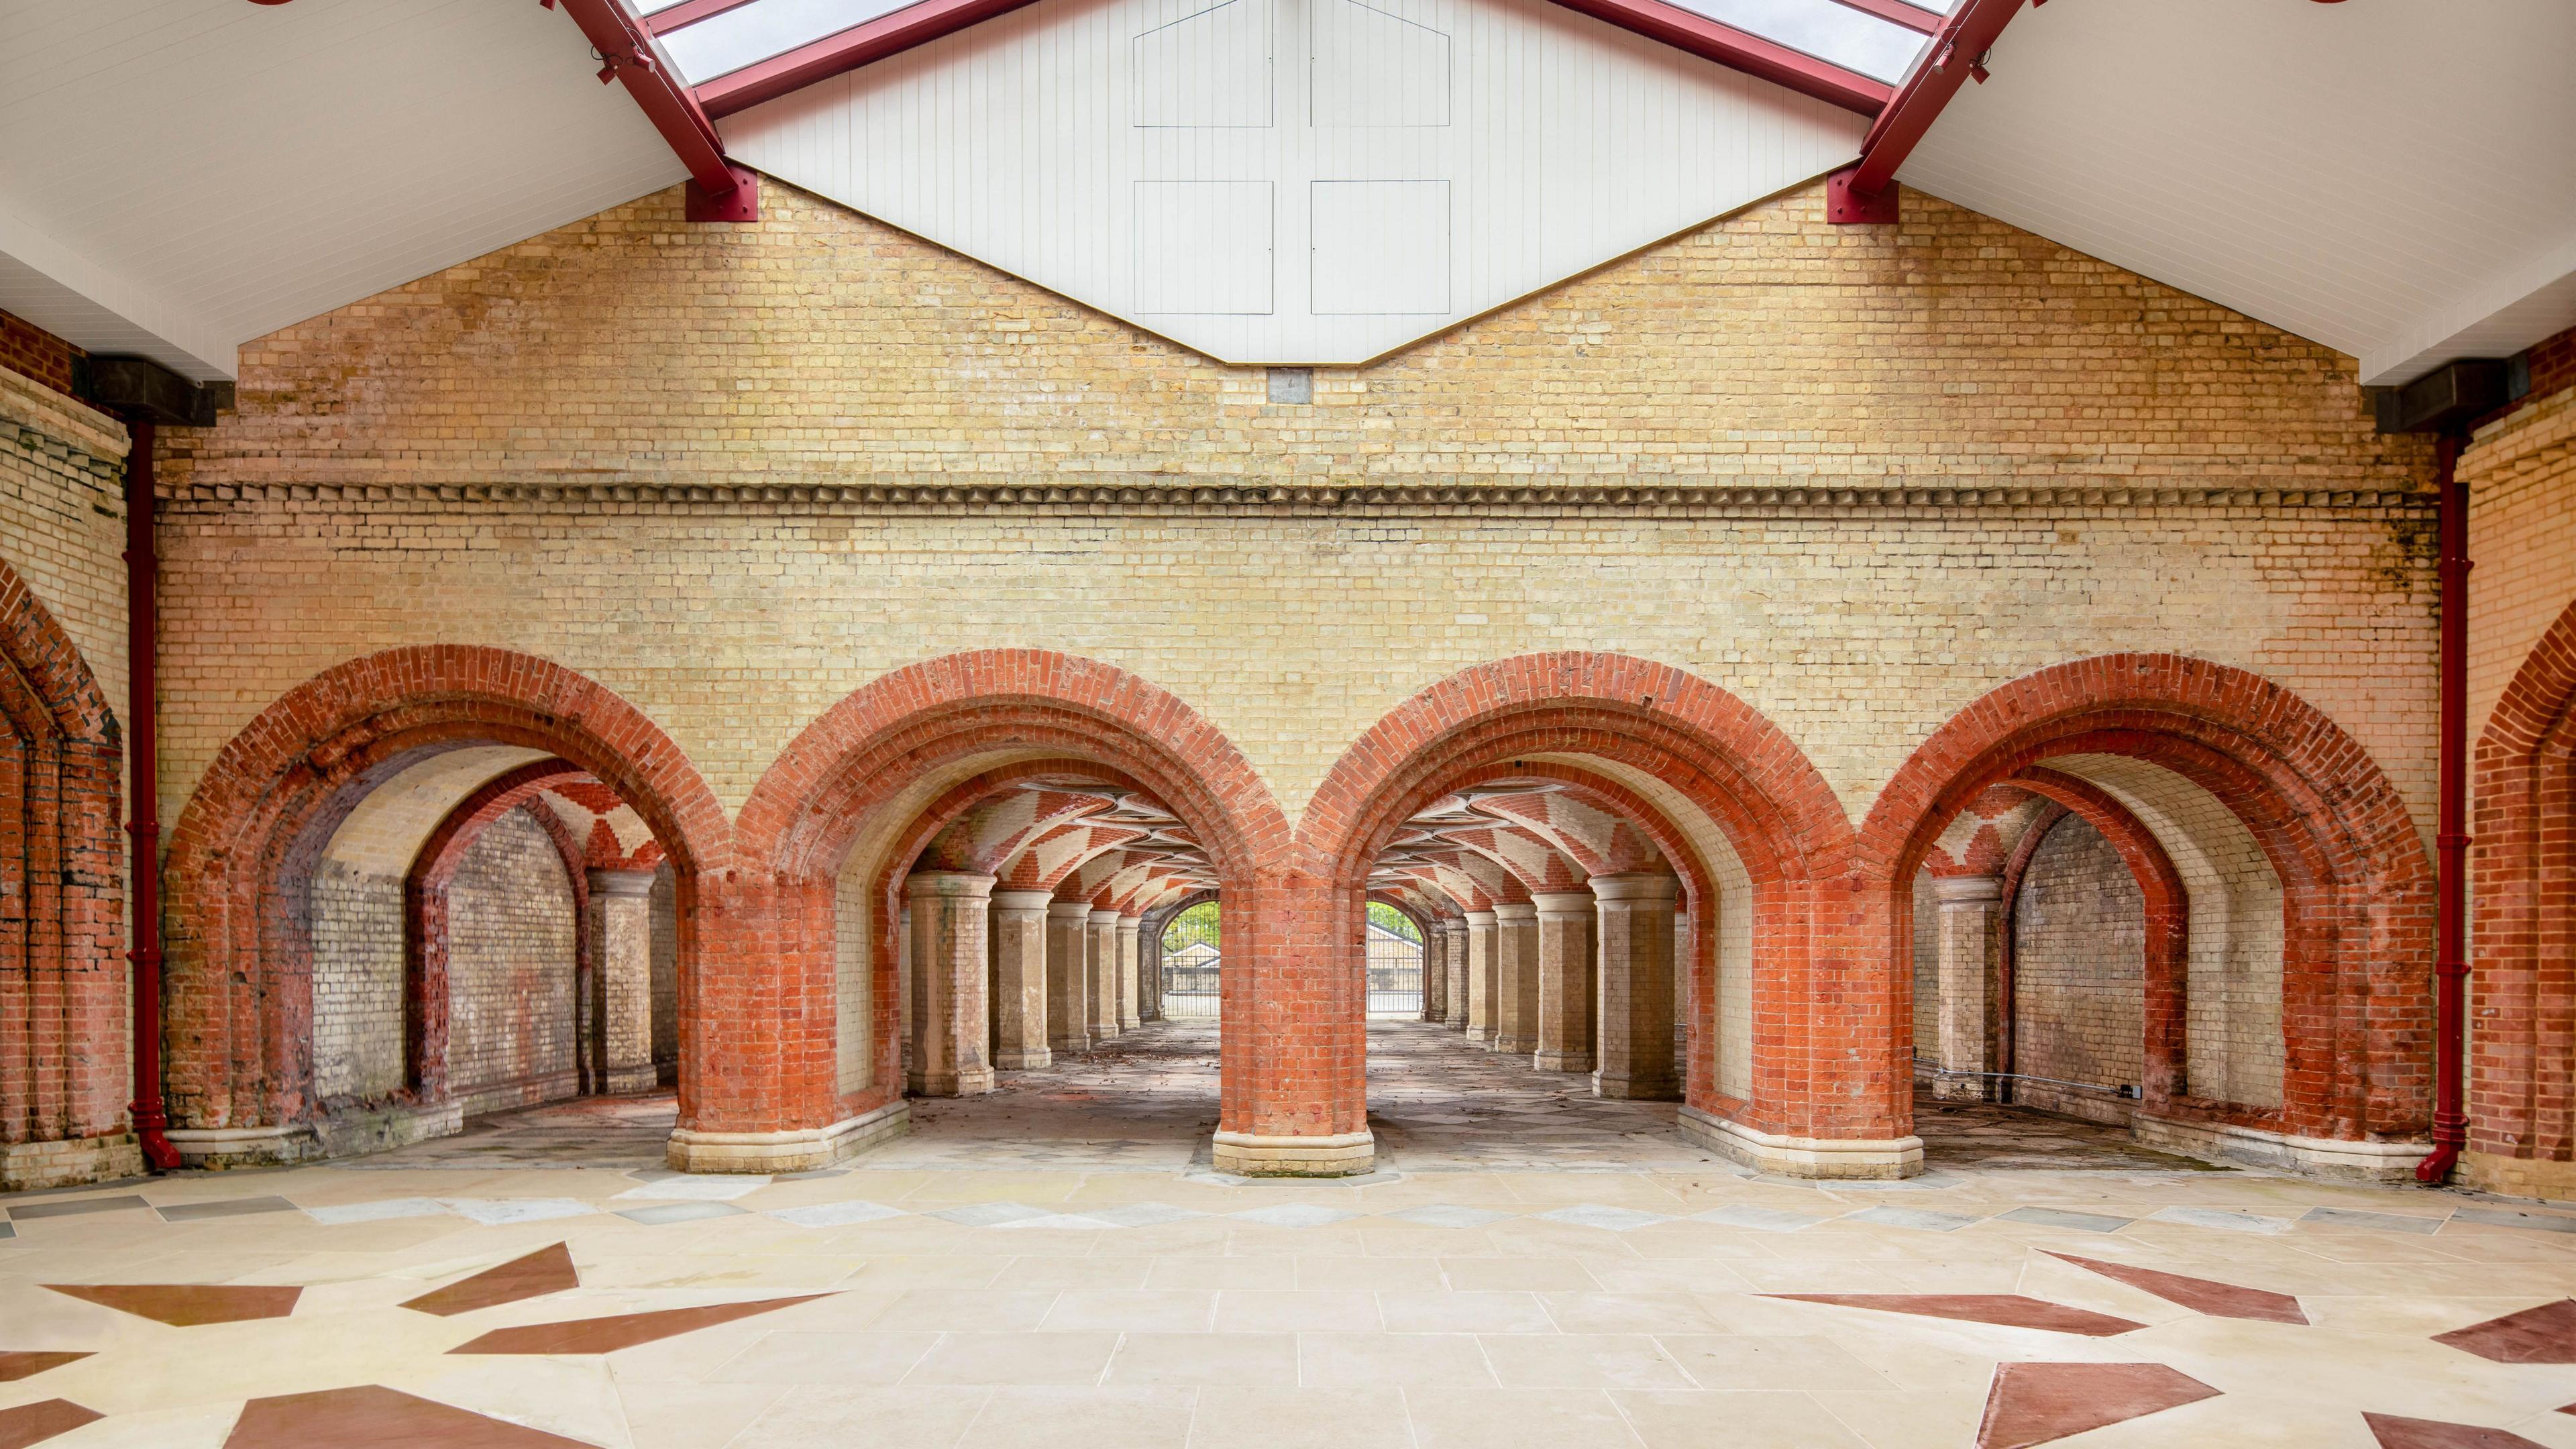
{"type": "Point", "coordinates": [1861, 192]}
{"type": "Point", "coordinates": [719, 190]}
{"type": "Point", "coordinates": [1741, 50]}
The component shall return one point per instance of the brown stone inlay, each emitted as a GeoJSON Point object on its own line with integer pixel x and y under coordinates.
{"type": "Point", "coordinates": [2033, 1403]}
{"type": "Point", "coordinates": [2396, 1432]}
{"type": "Point", "coordinates": [2546, 1334]}
{"type": "Point", "coordinates": [547, 1270]}
{"type": "Point", "coordinates": [624, 1330]}
{"type": "Point", "coordinates": [35, 1423]}
{"type": "Point", "coordinates": [28, 1364]}
{"type": "Point", "coordinates": [2012, 1310]}
{"type": "Point", "coordinates": [374, 1414]}
{"type": "Point", "coordinates": [2201, 1295]}
{"type": "Point", "coordinates": [185, 1305]}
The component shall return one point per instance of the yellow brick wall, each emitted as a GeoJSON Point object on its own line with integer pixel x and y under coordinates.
{"type": "Point", "coordinates": [661, 455]}
{"type": "Point", "coordinates": [2521, 472]}
{"type": "Point", "coordinates": [62, 518]}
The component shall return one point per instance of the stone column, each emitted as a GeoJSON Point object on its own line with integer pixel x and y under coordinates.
{"type": "Point", "coordinates": [951, 1055]}
{"type": "Point", "coordinates": [1454, 932]}
{"type": "Point", "coordinates": [1020, 1039]}
{"type": "Point", "coordinates": [1639, 934]}
{"type": "Point", "coordinates": [1100, 966]}
{"type": "Point", "coordinates": [621, 942]}
{"type": "Point", "coordinates": [1971, 955]}
{"type": "Point", "coordinates": [1480, 977]}
{"type": "Point", "coordinates": [1131, 973]}
{"type": "Point", "coordinates": [1435, 973]}
{"type": "Point", "coordinates": [1068, 976]}
{"type": "Point", "coordinates": [1149, 976]}
{"type": "Point", "coordinates": [1565, 981]}
{"type": "Point", "coordinates": [903, 976]}
{"type": "Point", "coordinates": [1516, 978]}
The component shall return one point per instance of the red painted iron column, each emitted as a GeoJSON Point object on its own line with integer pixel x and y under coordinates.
{"type": "Point", "coordinates": [142, 632]}
{"type": "Point", "coordinates": [2451, 827]}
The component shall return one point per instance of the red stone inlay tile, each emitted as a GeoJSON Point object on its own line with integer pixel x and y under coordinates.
{"type": "Point", "coordinates": [2546, 1334]}
{"type": "Point", "coordinates": [2394, 1432]}
{"type": "Point", "coordinates": [16, 1366]}
{"type": "Point", "coordinates": [2033, 1403]}
{"type": "Point", "coordinates": [2011, 1310]}
{"type": "Point", "coordinates": [35, 1423]}
{"type": "Point", "coordinates": [624, 1330]}
{"type": "Point", "coordinates": [374, 1414]}
{"type": "Point", "coordinates": [547, 1270]}
{"type": "Point", "coordinates": [2202, 1295]}
{"type": "Point", "coordinates": [185, 1305]}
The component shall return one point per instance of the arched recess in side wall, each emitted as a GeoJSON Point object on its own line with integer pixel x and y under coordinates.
{"type": "Point", "coordinates": [405, 735]}
{"type": "Point", "coordinates": [2222, 766]}
{"type": "Point", "coordinates": [2522, 1125]}
{"type": "Point", "coordinates": [1739, 813]}
{"type": "Point", "coordinates": [62, 893]}
{"type": "Point", "coordinates": [830, 831]}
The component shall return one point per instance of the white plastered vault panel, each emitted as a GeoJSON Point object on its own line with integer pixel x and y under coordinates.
{"type": "Point", "coordinates": [1294, 181]}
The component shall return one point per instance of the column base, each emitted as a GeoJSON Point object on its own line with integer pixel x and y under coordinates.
{"type": "Point", "coordinates": [1482, 1036]}
{"type": "Point", "coordinates": [628, 1080]}
{"type": "Point", "coordinates": [1067, 1046]}
{"type": "Point", "coordinates": [1247, 1155]}
{"type": "Point", "coordinates": [973, 1083]}
{"type": "Point", "coordinates": [2518, 1176]}
{"type": "Point", "coordinates": [1023, 1061]}
{"type": "Point", "coordinates": [2327, 1157]}
{"type": "Point", "coordinates": [1561, 1061]}
{"type": "Point", "coordinates": [1960, 1089]}
{"type": "Point", "coordinates": [356, 1133]}
{"type": "Point", "coordinates": [803, 1149]}
{"type": "Point", "coordinates": [221, 1147]}
{"type": "Point", "coordinates": [1515, 1046]}
{"type": "Point", "coordinates": [1828, 1158]}
{"type": "Point", "coordinates": [27, 1166]}
{"type": "Point", "coordinates": [1636, 1089]}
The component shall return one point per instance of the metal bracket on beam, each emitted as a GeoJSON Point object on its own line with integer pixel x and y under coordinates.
{"type": "Point", "coordinates": [1846, 207]}
{"type": "Point", "coordinates": [742, 203]}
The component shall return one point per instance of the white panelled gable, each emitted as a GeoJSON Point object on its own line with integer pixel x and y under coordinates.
{"type": "Point", "coordinates": [1294, 181]}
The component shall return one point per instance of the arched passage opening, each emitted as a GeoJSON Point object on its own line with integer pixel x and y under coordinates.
{"type": "Point", "coordinates": [1624, 861]}
{"type": "Point", "coordinates": [2217, 920]}
{"type": "Point", "coordinates": [63, 1023]}
{"type": "Point", "coordinates": [2522, 1128]}
{"type": "Point", "coordinates": [967, 853]}
{"type": "Point", "coordinates": [396, 897]}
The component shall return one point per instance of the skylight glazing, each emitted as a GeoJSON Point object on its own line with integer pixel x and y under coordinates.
{"type": "Point", "coordinates": [747, 34]}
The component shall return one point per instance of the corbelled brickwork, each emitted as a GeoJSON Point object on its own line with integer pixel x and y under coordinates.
{"type": "Point", "coordinates": [36, 354]}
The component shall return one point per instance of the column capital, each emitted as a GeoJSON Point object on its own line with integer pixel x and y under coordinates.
{"type": "Point", "coordinates": [1967, 890]}
{"type": "Point", "coordinates": [1516, 911]}
{"type": "Point", "coordinates": [1479, 920]}
{"type": "Point", "coordinates": [946, 883]}
{"type": "Point", "coordinates": [1070, 911]}
{"type": "Point", "coordinates": [1035, 902]}
{"type": "Point", "coordinates": [1105, 918]}
{"type": "Point", "coordinates": [1561, 905]}
{"type": "Point", "coordinates": [1637, 885]}
{"type": "Point", "coordinates": [1131, 925]}
{"type": "Point", "coordinates": [621, 882]}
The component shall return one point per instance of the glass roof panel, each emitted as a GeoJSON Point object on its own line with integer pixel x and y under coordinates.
{"type": "Point", "coordinates": [1853, 39]}
{"type": "Point", "coordinates": [750, 34]}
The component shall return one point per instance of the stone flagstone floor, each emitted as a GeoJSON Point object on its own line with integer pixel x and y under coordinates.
{"type": "Point", "coordinates": [1055, 1265]}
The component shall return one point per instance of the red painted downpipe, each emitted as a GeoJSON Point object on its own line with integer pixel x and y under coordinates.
{"type": "Point", "coordinates": [2451, 827]}
{"type": "Point", "coordinates": [142, 635]}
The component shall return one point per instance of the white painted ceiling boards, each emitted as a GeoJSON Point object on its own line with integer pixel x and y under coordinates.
{"type": "Point", "coordinates": [1294, 181]}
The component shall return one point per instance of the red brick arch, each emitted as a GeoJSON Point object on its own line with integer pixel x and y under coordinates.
{"type": "Point", "coordinates": [242, 855]}
{"type": "Point", "coordinates": [866, 752]}
{"type": "Point", "coordinates": [62, 881]}
{"type": "Point", "coordinates": [1775, 809]}
{"type": "Point", "coordinates": [2357, 888]}
{"type": "Point", "coordinates": [2523, 867]}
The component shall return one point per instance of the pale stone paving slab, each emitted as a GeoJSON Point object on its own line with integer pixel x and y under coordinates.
{"type": "Point", "coordinates": [1920, 1219]}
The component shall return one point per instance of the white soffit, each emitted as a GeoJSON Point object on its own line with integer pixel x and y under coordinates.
{"type": "Point", "coordinates": [2392, 178]}
{"type": "Point", "coordinates": [180, 176]}
{"type": "Point", "coordinates": [1294, 181]}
